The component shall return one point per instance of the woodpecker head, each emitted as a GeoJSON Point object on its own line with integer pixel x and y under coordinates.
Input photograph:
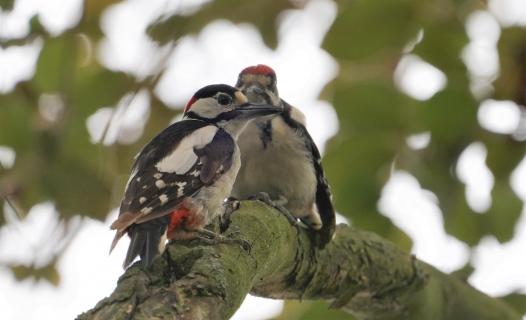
{"type": "Point", "coordinates": [259, 83]}
{"type": "Point", "coordinates": [225, 107]}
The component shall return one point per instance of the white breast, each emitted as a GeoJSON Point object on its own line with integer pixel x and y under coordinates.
{"type": "Point", "coordinates": [212, 197]}
{"type": "Point", "coordinates": [280, 169]}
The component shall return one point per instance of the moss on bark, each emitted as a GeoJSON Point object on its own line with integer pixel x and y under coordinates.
{"type": "Point", "coordinates": [358, 272]}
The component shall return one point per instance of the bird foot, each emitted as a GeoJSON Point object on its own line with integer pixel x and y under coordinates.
{"type": "Point", "coordinates": [229, 206]}
{"type": "Point", "coordinates": [212, 238]}
{"type": "Point", "coordinates": [278, 204]}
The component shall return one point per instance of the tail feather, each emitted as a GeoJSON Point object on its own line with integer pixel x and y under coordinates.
{"type": "Point", "coordinates": [327, 214]}
{"type": "Point", "coordinates": [144, 243]}
{"type": "Point", "coordinates": [121, 225]}
{"type": "Point", "coordinates": [118, 236]}
{"type": "Point", "coordinates": [136, 247]}
{"type": "Point", "coordinates": [124, 220]}
{"type": "Point", "coordinates": [151, 248]}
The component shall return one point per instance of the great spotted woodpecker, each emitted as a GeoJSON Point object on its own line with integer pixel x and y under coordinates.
{"type": "Point", "coordinates": [181, 177]}
{"type": "Point", "coordinates": [280, 159]}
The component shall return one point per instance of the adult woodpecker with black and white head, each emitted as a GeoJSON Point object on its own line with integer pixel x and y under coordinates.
{"type": "Point", "coordinates": [181, 177]}
{"type": "Point", "coordinates": [279, 158]}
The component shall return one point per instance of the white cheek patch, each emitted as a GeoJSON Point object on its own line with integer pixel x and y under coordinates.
{"type": "Point", "coordinates": [206, 108]}
{"type": "Point", "coordinates": [182, 158]}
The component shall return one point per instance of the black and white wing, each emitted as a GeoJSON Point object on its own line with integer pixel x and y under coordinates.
{"type": "Point", "coordinates": [176, 164]}
{"type": "Point", "coordinates": [323, 191]}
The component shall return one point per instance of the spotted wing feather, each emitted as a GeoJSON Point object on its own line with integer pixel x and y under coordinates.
{"type": "Point", "coordinates": [151, 195]}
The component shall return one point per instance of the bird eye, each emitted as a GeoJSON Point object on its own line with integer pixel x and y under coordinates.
{"type": "Point", "coordinates": [224, 99]}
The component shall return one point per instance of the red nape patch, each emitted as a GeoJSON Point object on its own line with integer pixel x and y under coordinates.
{"type": "Point", "coordinates": [259, 69]}
{"type": "Point", "coordinates": [189, 104]}
{"type": "Point", "coordinates": [176, 218]}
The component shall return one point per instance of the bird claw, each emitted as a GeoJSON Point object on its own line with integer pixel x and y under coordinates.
{"type": "Point", "coordinates": [230, 205]}
{"type": "Point", "coordinates": [278, 204]}
{"type": "Point", "coordinates": [263, 197]}
{"type": "Point", "coordinates": [212, 238]}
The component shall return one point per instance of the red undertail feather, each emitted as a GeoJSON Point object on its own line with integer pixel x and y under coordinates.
{"type": "Point", "coordinates": [176, 219]}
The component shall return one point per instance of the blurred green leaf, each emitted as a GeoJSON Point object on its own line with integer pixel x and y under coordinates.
{"type": "Point", "coordinates": [505, 210]}
{"type": "Point", "coordinates": [16, 112]}
{"type": "Point", "coordinates": [56, 161]}
{"type": "Point", "coordinates": [371, 132]}
{"type": "Point", "coordinates": [451, 117]}
{"type": "Point", "coordinates": [512, 57]}
{"type": "Point", "coordinates": [517, 301]}
{"type": "Point", "coordinates": [68, 182]}
{"type": "Point", "coordinates": [366, 28]}
{"type": "Point", "coordinates": [261, 13]}
{"type": "Point", "coordinates": [373, 128]}
{"type": "Point", "coordinates": [443, 40]}
{"type": "Point", "coordinates": [56, 64]}
{"type": "Point", "coordinates": [6, 5]}
{"type": "Point", "coordinates": [504, 153]}
{"type": "Point", "coordinates": [48, 273]}
{"type": "Point", "coordinates": [460, 221]}
{"type": "Point", "coordinates": [17, 119]}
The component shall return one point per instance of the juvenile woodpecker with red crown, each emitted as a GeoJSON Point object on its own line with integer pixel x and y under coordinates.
{"type": "Point", "coordinates": [181, 177]}
{"type": "Point", "coordinates": [280, 159]}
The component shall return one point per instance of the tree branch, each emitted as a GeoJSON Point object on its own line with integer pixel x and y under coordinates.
{"type": "Point", "coordinates": [358, 272]}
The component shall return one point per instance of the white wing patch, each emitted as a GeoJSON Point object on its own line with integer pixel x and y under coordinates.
{"type": "Point", "coordinates": [160, 184]}
{"type": "Point", "coordinates": [182, 158]}
{"type": "Point", "coordinates": [180, 189]}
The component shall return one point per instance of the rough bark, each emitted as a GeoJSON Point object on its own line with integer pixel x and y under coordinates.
{"type": "Point", "coordinates": [358, 272]}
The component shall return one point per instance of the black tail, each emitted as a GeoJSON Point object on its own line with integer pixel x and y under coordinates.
{"type": "Point", "coordinates": [326, 211]}
{"type": "Point", "coordinates": [323, 199]}
{"type": "Point", "coordinates": [145, 240]}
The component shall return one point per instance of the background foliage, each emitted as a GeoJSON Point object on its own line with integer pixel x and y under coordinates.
{"type": "Point", "coordinates": [55, 159]}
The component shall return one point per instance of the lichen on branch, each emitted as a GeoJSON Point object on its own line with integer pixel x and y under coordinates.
{"type": "Point", "coordinates": [357, 271]}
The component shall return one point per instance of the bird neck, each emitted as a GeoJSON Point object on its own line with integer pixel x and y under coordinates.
{"type": "Point", "coordinates": [233, 127]}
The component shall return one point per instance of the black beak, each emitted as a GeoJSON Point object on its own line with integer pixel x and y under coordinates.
{"type": "Point", "coordinates": [250, 110]}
